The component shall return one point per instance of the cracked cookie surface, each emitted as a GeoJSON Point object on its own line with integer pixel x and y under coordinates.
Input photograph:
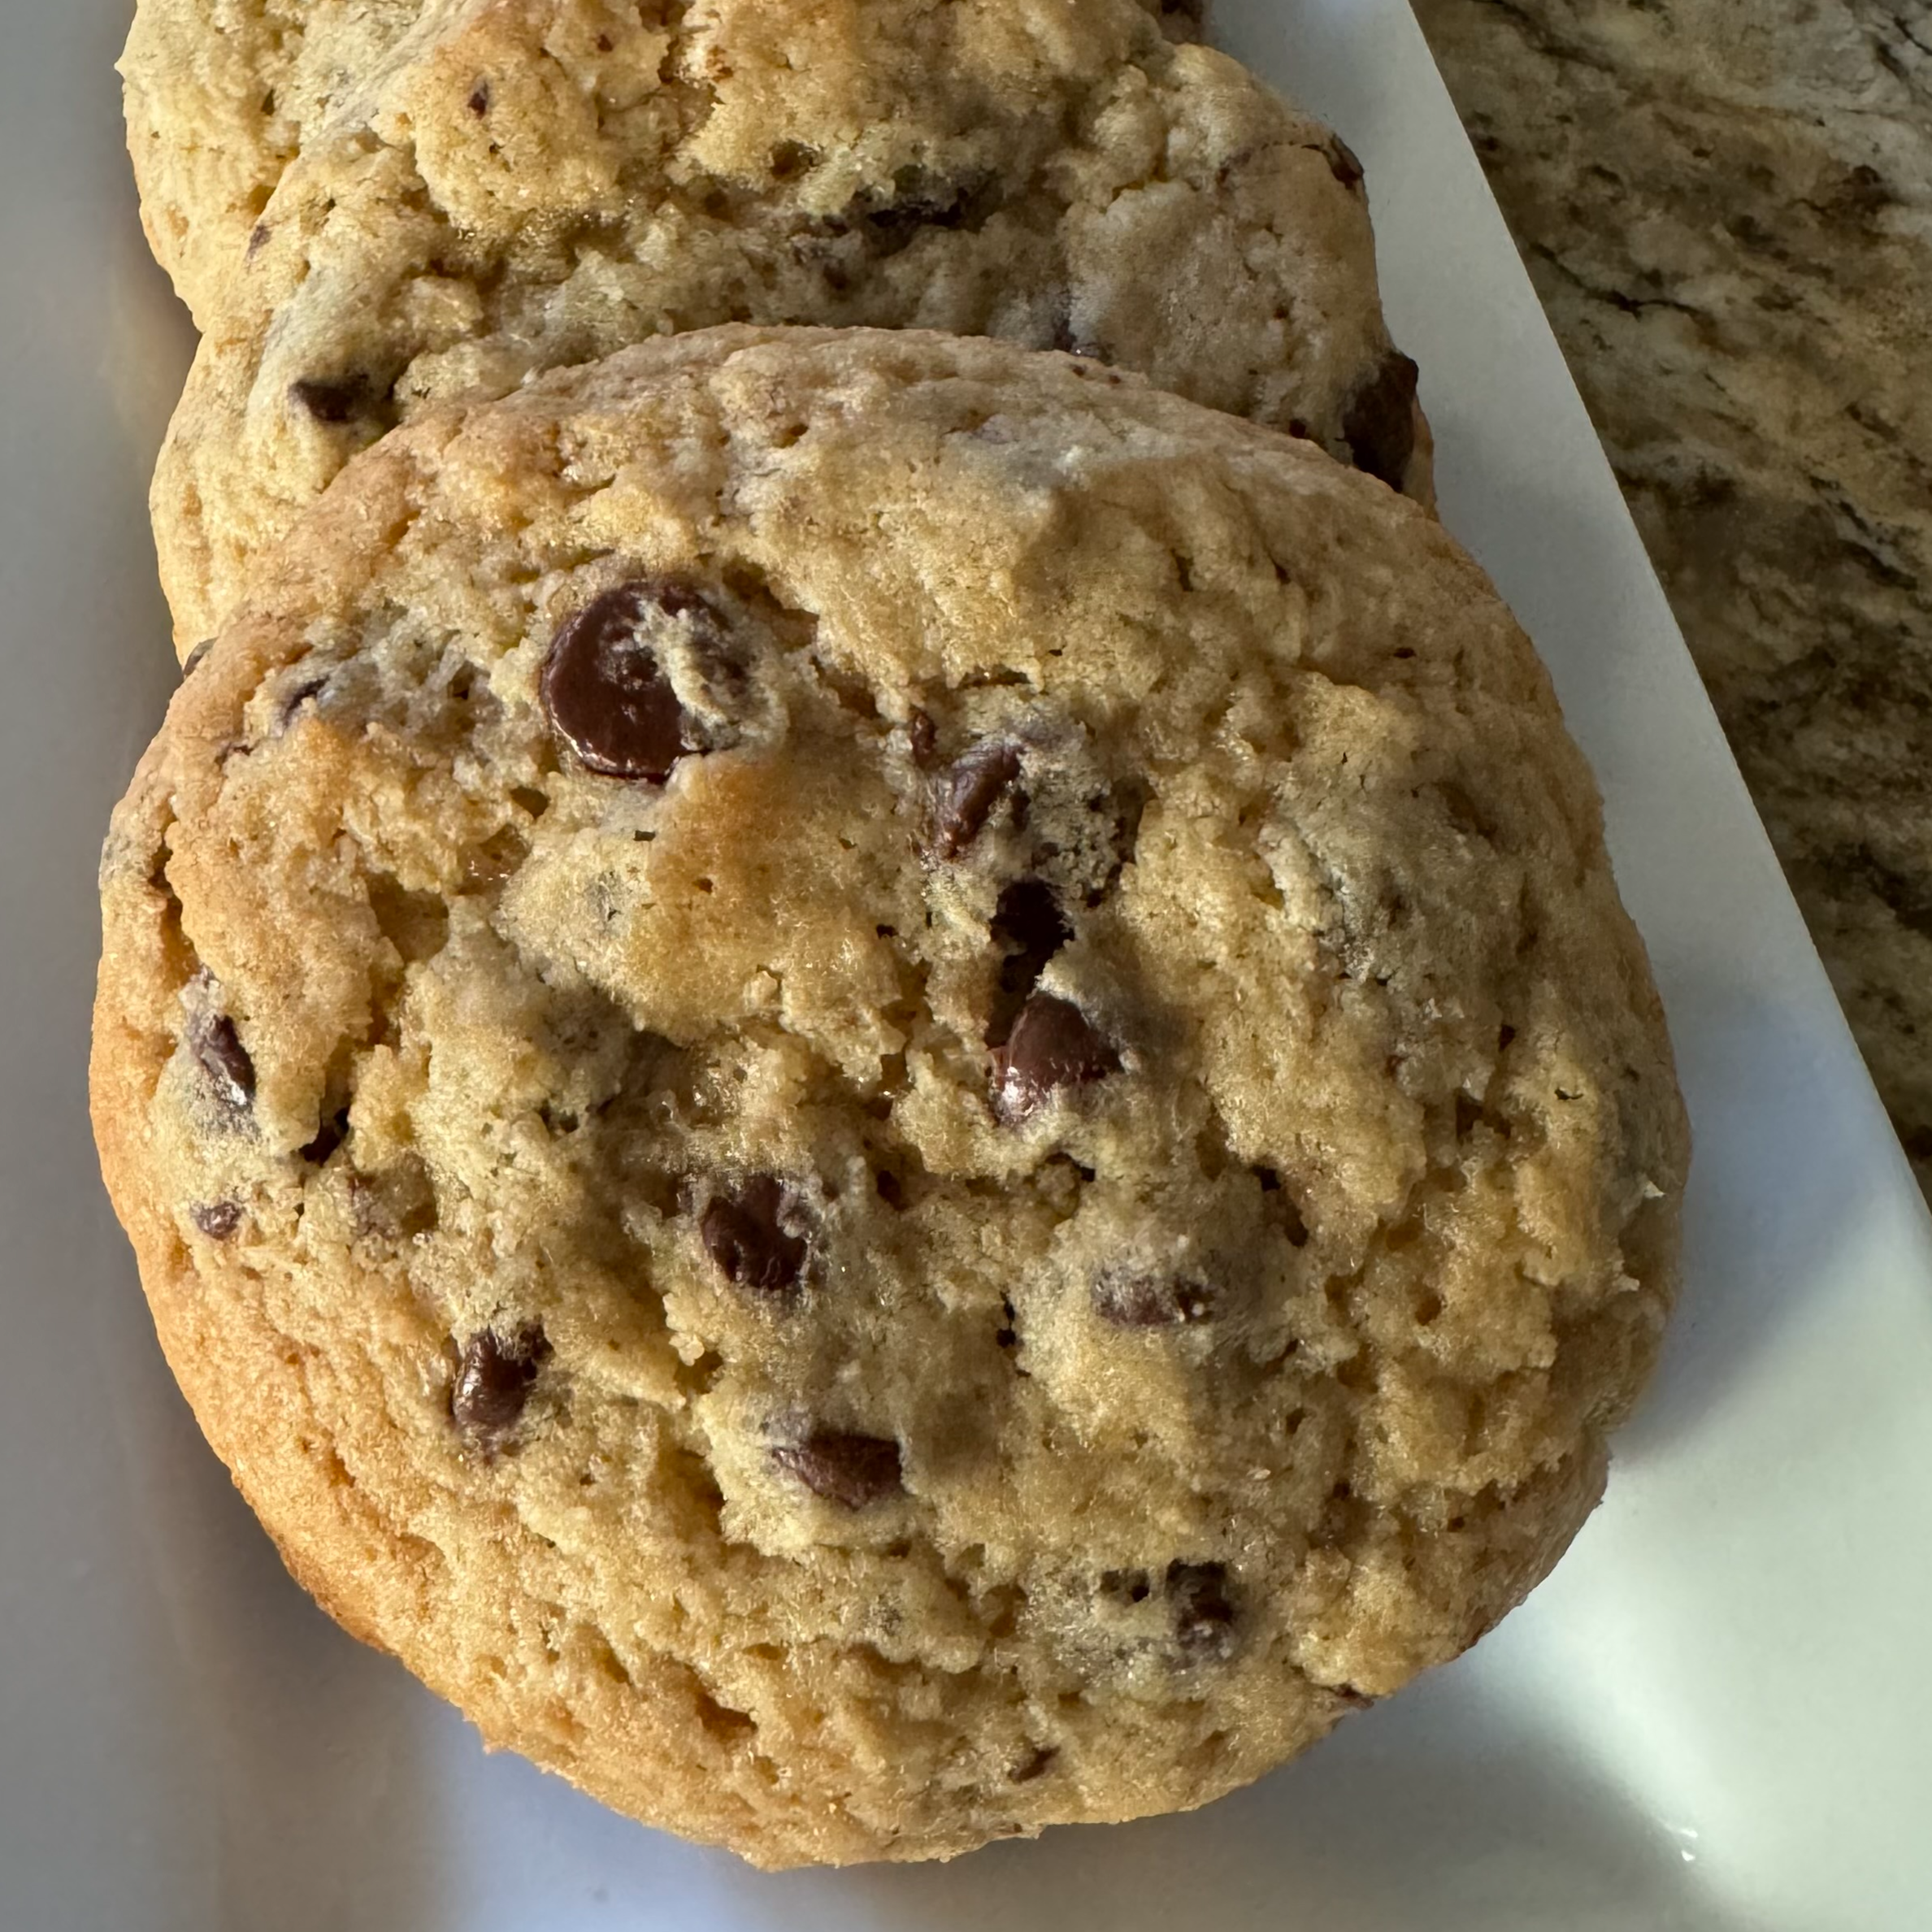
{"type": "Point", "coordinates": [890, 1091]}
{"type": "Point", "coordinates": [529, 183]}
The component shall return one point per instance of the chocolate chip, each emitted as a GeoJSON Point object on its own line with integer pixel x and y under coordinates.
{"type": "Point", "coordinates": [1132, 1300]}
{"type": "Point", "coordinates": [606, 694]}
{"type": "Point", "coordinates": [217, 1051]}
{"type": "Point", "coordinates": [920, 199]}
{"type": "Point", "coordinates": [1006, 1335]}
{"type": "Point", "coordinates": [792, 158]}
{"type": "Point", "coordinates": [258, 240]}
{"type": "Point", "coordinates": [339, 400]}
{"type": "Point", "coordinates": [850, 1470]}
{"type": "Point", "coordinates": [330, 1135]}
{"type": "Point", "coordinates": [745, 1234]}
{"type": "Point", "coordinates": [1052, 1046]}
{"type": "Point", "coordinates": [923, 736]}
{"type": "Point", "coordinates": [1035, 1765]}
{"type": "Point", "coordinates": [1342, 162]}
{"type": "Point", "coordinates": [479, 98]}
{"type": "Point", "coordinates": [1029, 928]}
{"type": "Point", "coordinates": [1204, 1618]}
{"type": "Point", "coordinates": [965, 795]}
{"type": "Point", "coordinates": [492, 1383]}
{"type": "Point", "coordinates": [192, 663]}
{"type": "Point", "coordinates": [1380, 422]}
{"type": "Point", "coordinates": [216, 1219]}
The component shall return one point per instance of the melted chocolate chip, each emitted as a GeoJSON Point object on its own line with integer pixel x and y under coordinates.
{"type": "Point", "coordinates": [219, 1053]}
{"type": "Point", "coordinates": [492, 1383]}
{"type": "Point", "coordinates": [216, 1219]}
{"type": "Point", "coordinates": [1130, 1300]}
{"type": "Point", "coordinates": [964, 796]}
{"type": "Point", "coordinates": [1342, 162]}
{"type": "Point", "coordinates": [1380, 422]}
{"type": "Point", "coordinates": [341, 400]}
{"type": "Point", "coordinates": [922, 734]}
{"type": "Point", "coordinates": [193, 661]}
{"type": "Point", "coordinates": [479, 98]}
{"type": "Point", "coordinates": [1030, 928]}
{"type": "Point", "coordinates": [743, 1233]}
{"type": "Point", "coordinates": [850, 1470]}
{"type": "Point", "coordinates": [605, 694]}
{"type": "Point", "coordinates": [1204, 1618]}
{"type": "Point", "coordinates": [1052, 1044]}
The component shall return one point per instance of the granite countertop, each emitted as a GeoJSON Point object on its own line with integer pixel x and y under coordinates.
{"type": "Point", "coordinates": [1727, 207]}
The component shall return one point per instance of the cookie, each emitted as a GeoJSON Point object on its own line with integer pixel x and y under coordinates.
{"type": "Point", "coordinates": [544, 181]}
{"type": "Point", "coordinates": [889, 1089]}
{"type": "Point", "coordinates": [220, 96]}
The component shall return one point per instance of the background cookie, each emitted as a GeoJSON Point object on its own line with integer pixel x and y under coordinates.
{"type": "Point", "coordinates": [220, 95]}
{"type": "Point", "coordinates": [887, 1089]}
{"type": "Point", "coordinates": [542, 181]}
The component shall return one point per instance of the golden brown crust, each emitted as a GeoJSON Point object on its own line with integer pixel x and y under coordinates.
{"type": "Point", "coordinates": [1195, 1402]}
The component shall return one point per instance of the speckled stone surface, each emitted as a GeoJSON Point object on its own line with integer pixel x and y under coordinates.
{"type": "Point", "coordinates": [1726, 206]}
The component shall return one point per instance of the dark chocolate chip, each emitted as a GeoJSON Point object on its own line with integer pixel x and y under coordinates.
{"type": "Point", "coordinates": [1035, 1765]}
{"type": "Point", "coordinates": [850, 1470]}
{"type": "Point", "coordinates": [330, 1135]}
{"type": "Point", "coordinates": [922, 734]}
{"type": "Point", "coordinates": [1380, 422]}
{"type": "Point", "coordinates": [1029, 928]}
{"type": "Point", "coordinates": [1342, 162]}
{"type": "Point", "coordinates": [479, 98]}
{"type": "Point", "coordinates": [216, 1219]}
{"type": "Point", "coordinates": [1052, 1044]}
{"type": "Point", "coordinates": [1006, 1335]}
{"type": "Point", "coordinates": [217, 1051]}
{"type": "Point", "coordinates": [1204, 1616]}
{"type": "Point", "coordinates": [919, 200]}
{"type": "Point", "coordinates": [964, 795]}
{"type": "Point", "coordinates": [339, 400]}
{"type": "Point", "coordinates": [792, 158]}
{"type": "Point", "coordinates": [1129, 1299]}
{"type": "Point", "coordinates": [606, 694]}
{"type": "Point", "coordinates": [745, 1234]}
{"type": "Point", "coordinates": [192, 663]}
{"type": "Point", "coordinates": [492, 1383]}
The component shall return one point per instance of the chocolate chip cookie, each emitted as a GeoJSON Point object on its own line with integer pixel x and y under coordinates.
{"type": "Point", "coordinates": [220, 95]}
{"type": "Point", "coordinates": [540, 182]}
{"type": "Point", "coordinates": [889, 1089]}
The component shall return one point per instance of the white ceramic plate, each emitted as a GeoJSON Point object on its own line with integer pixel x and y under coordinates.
{"type": "Point", "coordinates": [1716, 1716]}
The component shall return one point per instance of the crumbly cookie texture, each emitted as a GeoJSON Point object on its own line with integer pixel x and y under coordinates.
{"type": "Point", "coordinates": [220, 96]}
{"type": "Point", "coordinates": [541, 182]}
{"type": "Point", "coordinates": [887, 1089]}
